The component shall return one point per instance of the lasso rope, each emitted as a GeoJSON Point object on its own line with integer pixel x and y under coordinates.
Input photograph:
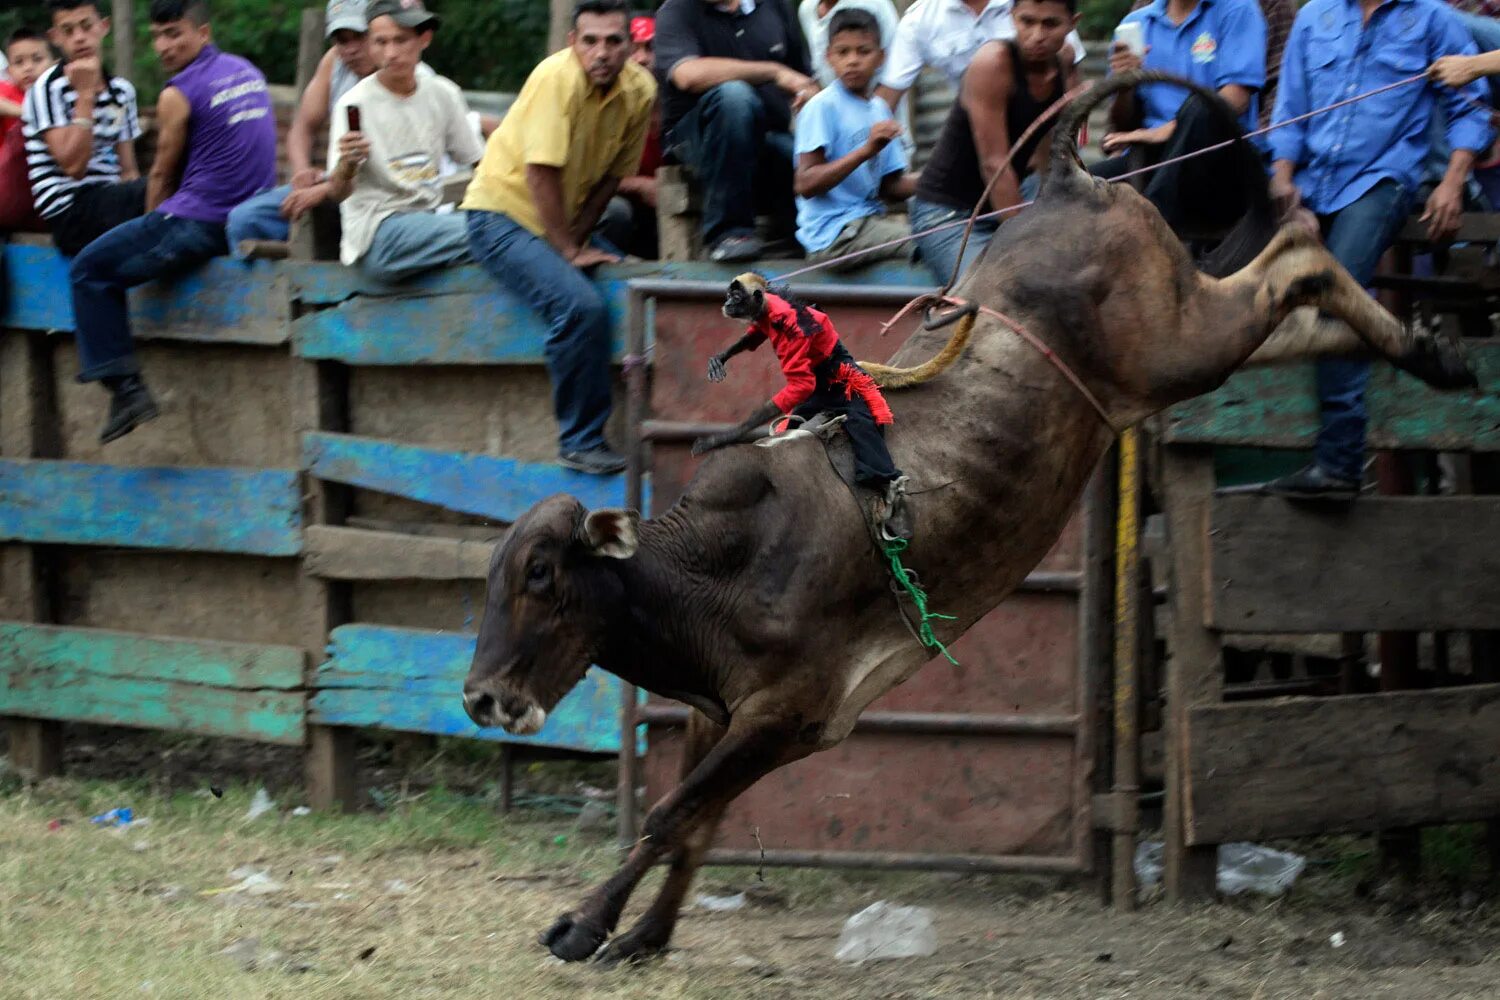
{"type": "Point", "coordinates": [893, 549]}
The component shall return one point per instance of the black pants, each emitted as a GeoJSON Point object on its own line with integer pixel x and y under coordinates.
{"type": "Point", "coordinates": [873, 467]}
{"type": "Point", "coordinates": [96, 209]}
{"type": "Point", "coordinates": [1192, 196]}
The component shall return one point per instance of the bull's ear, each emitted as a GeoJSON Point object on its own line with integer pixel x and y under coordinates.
{"type": "Point", "coordinates": [611, 532]}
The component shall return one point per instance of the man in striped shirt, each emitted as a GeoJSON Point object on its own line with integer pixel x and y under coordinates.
{"type": "Point", "coordinates": [80, 127]}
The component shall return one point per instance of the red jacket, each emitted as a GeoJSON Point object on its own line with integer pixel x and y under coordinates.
{"type": "Point", "coordinates": [799, 350]}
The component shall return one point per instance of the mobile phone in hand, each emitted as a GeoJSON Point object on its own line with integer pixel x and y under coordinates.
{"type": "Point", "coordinates": [1133, 36]}
{"type": "Point", "coordinates": [352, 116]}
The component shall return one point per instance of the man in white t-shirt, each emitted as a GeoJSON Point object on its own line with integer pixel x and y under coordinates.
{"type": "Point", "coordinates": [386, 176]}
{"type": "Point", "coordinates": [946, 34]}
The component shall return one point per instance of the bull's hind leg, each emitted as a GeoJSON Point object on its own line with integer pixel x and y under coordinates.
{"type": "Point", "coordinates": [651, 933]}
{"type": "Point", "coordinates": [1295, 271]}
{"type": "Point", "coordinates": [763, 736]}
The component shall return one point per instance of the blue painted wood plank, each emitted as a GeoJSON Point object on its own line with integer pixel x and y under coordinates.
{"type": "Point", "coordinates": [118, 678]}
{"type": "Point", "coordinates": [250, 511]}
{"type": "Point", "coordinates": [498, 488]}
{"type": "Point", "coordinates": [223, 301]}
{"type": "Point", "coordinates": [1277, 407]}
{"type": "Point", "coordinates": [412, 680]}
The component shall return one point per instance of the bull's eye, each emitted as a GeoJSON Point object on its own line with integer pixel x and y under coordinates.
{"type": "Point", "coordinates": [537, 575]}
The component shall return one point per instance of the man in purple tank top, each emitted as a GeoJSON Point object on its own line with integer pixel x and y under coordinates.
{"type": "Point", "coordinates": [216, 147]}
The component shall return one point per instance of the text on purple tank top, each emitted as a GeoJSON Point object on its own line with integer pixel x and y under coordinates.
{"type": "Point", "coordinates": [231, 148]}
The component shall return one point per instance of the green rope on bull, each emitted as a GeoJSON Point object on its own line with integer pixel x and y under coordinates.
{"type": "Point", "coordinates": [893, 549]}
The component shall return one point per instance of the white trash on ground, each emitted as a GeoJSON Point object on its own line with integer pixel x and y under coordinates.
{"type": "Point", "coordinates": [1242, 867]}
{"type": "Point", "coordinates": [883, 931]}
{"type": "Point", "coordinates": [260, 804]}
{"type": "Point", "coordinates": [720, 904]}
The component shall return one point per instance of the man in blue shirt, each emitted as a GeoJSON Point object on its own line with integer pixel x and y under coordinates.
{"type": "Point", "coordinates": [1220, 44]}
{"type": "Point", "coordinates": [1357, 169]}
{"type": "Point", "coordinates": [846, 159]}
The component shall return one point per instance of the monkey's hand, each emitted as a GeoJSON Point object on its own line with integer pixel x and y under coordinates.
{"type": "Point", "coordinates": [716, 369]}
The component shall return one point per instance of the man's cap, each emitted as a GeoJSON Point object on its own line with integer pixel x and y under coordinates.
{"type": "Point", "coordinates": [642, 29]}
{"type": "Point", "coordinates": [344, 15]}
{"type": "Point", "coordinates": [407, 13]}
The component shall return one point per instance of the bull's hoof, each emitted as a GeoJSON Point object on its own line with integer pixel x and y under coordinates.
{"type": "Point", "coordinates": [574, 937]}
{"type": "Point", "coordinates": [1440, 362]}
{"type": "Point", "coordinates": [642, 943]}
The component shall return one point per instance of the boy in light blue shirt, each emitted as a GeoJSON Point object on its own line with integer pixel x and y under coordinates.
{"type": "Point", "coordinates": [847, 159]}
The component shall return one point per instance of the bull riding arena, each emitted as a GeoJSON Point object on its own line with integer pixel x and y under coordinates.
{"type": "Point", "coordinates": [294, 554]}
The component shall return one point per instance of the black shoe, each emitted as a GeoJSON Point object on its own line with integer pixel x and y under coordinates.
{"type": "Point", "coordinates": [1313, 483]}
{"type": "Point", "coordinates": [130, 406]}
{"type": "Point", "coordinates": [734, 249]}
{"type": "Point", "coordinates": [601, 461]}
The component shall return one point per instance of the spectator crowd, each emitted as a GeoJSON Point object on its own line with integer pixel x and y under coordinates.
{"type": "Point", "coordinates": [788, 122]}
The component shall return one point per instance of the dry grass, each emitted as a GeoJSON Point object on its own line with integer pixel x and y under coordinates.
{"type": "Point", "coordinates": [87, 912]}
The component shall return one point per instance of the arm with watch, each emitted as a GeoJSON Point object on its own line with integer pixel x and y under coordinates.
{"type": "Point", "coordinates": [72, 145]}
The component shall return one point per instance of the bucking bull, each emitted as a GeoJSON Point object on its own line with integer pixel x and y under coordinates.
{"type": "Point", "coordinates": [760, 600]}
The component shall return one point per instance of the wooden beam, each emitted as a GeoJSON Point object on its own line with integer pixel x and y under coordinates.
{"type": "Point", "coordinates": [1381, 563]}
{"type": "Point", "coordinates": [351, 554]}
{"type": "Point", "coordinates": [559, 23]}
{"type": "Point", "coordinates": [310, 45]}
{"type": "Point", "coordinates": [1304, 766]}
{"type": "Point", "coordinates": [122, 30]}
{"type": "Point", "coordinates": [248, 511]}
{"type": "Point", "coordinates": [1277, 407]}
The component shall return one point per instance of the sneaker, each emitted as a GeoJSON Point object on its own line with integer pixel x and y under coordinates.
{"type": "Point", "coordinates": [130, 406]}
{"type": "Point", "coordinates": [601, 461]}
{"type": "Point", "coordinates": [1313, 483]}
{"type": "Point", "coordinates": [733, 249]}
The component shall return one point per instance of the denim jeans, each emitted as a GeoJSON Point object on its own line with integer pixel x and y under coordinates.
{"type": "Point", "coordinates": [141, 250]}
{"type": "Point", "coordinates": [738, 163]}
{"type": "Point", "coordinates": [577, 349]}
{"type": "Point", "coordinates": [258, 218]}
{"type": "Point", "coordinates": [1357, 235]}
{"type": "Point", "coordinates": [407, 244]}
{"type": "Point", "coordinates": [939, 251]}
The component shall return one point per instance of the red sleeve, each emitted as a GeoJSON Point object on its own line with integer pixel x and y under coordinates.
{"type": "Point", "coordinates": [800, 381]}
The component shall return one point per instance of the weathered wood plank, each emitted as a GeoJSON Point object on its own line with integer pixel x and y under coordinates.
{"type": "Point", "coordinates": [223, 302]}
{"type": "Point", "coordinates": [1301, 766]}
{"type": "Point", "coordinates": [1382, 563]}
{"type": "Point", "coordinates": [250, 511]}
{"type": "Point", "coordinates": [117, 678]}
{"type": "Point", "coordinates": [1276, 407]}
{"type": "Point", "coordinates": [498, 488]}
{"type": "Point", "coordinates": [351, 554]}
{"type": "Point", "coordinates": [412, 680]}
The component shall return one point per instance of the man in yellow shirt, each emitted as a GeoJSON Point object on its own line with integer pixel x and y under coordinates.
{"type": "Point", "coordinates": [577, 128]}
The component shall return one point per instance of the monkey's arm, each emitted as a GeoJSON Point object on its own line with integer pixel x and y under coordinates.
{"type": "Point", "coordinates": [768, 411]}
{"type": "Point", "coordinates": [748, 342]}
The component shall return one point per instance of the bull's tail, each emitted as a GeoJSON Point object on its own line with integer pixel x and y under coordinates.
{"type": "Point", "coordinates": [900, 378]}
{"type": "Point", "coordinates": [1254, 230]}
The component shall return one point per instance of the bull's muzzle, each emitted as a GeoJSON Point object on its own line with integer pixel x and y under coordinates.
{"type": "Point", "coordinates": [520, 717]}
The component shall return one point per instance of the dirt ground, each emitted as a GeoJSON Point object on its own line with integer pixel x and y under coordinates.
{"type": "Point", "coordinates": [432, 893]}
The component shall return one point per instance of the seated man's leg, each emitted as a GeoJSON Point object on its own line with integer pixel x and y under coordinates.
{"type": "Point", "coordinates": [720, 140]}
{"type": "Point", "coordinates": [408, 244]}
{"type": "Point", "coordinates": [578, 338]}
{"type": "Point", "coordinates": [96, 209]}
{"type": "Point", "coordinates": [617, 224]}
{"type": "Point", "coordinates": [258, 218]}
{"type": "Point", "coordinates": [775, 184]}
{"type": "Point", "coordinates": [882, 237]}
{"type": "Point", "coordinates": [940, 250]}
{"type": "Point", "coordinates": [1357, 236]}
{"type": "Point", "coordinates": [1199, 193]}
{"type": "Point", "coordinates": [153, 246]}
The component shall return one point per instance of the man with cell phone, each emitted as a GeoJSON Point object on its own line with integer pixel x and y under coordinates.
{"type": "Point", "coordinates": [1220, 44]}
{"type": "Point", "coordinates": [385, 152]}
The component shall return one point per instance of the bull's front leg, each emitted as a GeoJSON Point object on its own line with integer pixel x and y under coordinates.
{"type": "Point", "coordinates": [756, 743]}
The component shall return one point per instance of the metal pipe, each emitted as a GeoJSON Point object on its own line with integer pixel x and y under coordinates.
{"type": "Point", "coordinates": [1089, 771]}
{"type": "Point", "coordinates": [635, 470]}
{"type": "Point", "coordinates": [915, 723]}
{"type": "Point", "coordinates": [899, 861]}
{"type": "Point", "coordinates": [1127, 671]}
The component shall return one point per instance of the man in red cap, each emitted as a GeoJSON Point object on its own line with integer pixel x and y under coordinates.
{"type": "Point", "coordinates": [629, 221]}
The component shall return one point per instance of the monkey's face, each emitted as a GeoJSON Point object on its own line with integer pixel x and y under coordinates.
{"type": "Point", "coordinates": [743, 303]}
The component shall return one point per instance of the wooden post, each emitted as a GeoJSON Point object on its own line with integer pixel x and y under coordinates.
{"type": "Point", "coordinates": [560, 23]}
{"type": "Point", "coordinates": [1193, 672]}
{"type": "Point", "coordinates": [27, 430]}
{"type": "Point", "coordinates": [310, 45]}
{"type": "Point", "coordinates": [1127, 783]}
{"type": "Point", "coordinates": [122, 27]}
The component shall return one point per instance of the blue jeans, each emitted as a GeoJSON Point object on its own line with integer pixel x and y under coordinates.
{"type": "Point", "coordinates": [1357, 235]}
{"type": "Point", "coordinates": [141, 250]}
{"type": "Point", "coordinates": [407, 244]}
{"type": "Point", "coordinates": [259, 218]}
{"type": "Point", "coordinates": [578, 337]}
{"type": "Point", "coordinates": [940, 250]}
{"type": "Point", "coordinates": [739, 164]}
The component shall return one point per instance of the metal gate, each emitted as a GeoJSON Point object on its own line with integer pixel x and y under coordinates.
{"type": "Point", "coordinates": [984, 766]}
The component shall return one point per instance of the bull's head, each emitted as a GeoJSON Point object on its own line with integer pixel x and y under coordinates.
{"type": "Point", "coordinates": [553, 595]}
